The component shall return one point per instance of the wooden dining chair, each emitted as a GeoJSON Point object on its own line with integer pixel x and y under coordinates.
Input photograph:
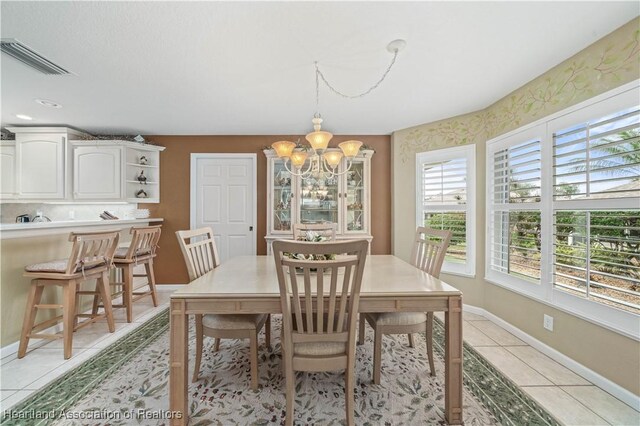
{"type": "Point", "coordinates": [141, 251]}
{"type": "Point", "coordinates": [91, 258]}
{"type": "Point", "coordinates": [429, 250]}
{"type": "Point", "coordinates": [201, 256]}
{"type": "Point", "coordinates": [325, 230]}
{"type": "Point", "coordinates": [319, 333]}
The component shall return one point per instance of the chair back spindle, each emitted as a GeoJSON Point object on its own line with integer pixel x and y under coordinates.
{"type": "Point", "coordinates": [429, 249]}
{"type": "Point", "coordinates": [320, 296]}
{"type": "Point", "coordinates": [144, 241]}
{"type": "Point", "coordinates": [326, 230]}
{"type": "Point", "coordinates": [199, 250]}
{"type": "Point", "coordinates": [90, 250]}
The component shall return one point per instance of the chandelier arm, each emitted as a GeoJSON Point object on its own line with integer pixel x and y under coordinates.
{"type": "Point", "coordinates": [305, 173]}
{"type": "Point", "coordinates": [349, 164]}
{"type": "Point", "coordinates": [337, 92]}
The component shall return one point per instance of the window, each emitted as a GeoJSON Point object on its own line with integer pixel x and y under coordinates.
{"type": "Point", "coordinates": [563, 210]}
{"type": "Point", "coordinates": [446, 200]}
{"type": "Point", "coordinates": [596, 247]}
{"type": "Point", "coordinates": [514, 229]}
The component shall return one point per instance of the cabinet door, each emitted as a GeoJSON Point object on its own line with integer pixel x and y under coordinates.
{"type": "Point", "coordinates": [40, 163]}
{"type": "Point", "coordinates": [97, 173]}
{"type": "Point", "coordinates": [281, 194]}
{"type": "Point", "coordinates": [318, 201]}
{"type": "Point", "coordinates": [355, 198]}
{"type": "Point", "coordinates": [7, 171]}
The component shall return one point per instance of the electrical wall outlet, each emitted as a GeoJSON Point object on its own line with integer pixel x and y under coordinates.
{"type": "Point", "coordinates": [547, 322]}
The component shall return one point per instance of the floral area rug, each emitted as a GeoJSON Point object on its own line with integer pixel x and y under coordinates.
{"type": "Point", "coordinates": [136, 392]}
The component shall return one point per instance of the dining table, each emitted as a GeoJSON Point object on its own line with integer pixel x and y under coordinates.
{"type": "Point", "coordinates": [249, 285]}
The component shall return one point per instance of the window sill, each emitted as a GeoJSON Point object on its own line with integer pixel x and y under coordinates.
{"type": "Point", "coordinates": [458, 274]}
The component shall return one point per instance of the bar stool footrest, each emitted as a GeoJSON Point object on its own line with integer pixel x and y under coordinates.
{"type": "Point", "coordinates": [48, 306]}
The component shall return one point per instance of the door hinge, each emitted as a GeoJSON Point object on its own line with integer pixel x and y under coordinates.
{"type": "Point", "coordinates": [251, 228]}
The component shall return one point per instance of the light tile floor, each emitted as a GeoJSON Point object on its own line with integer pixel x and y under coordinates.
{"type": "Point", "coordinates": [571, 399]}
{"type": "Point", "coordinates": [568, 397]}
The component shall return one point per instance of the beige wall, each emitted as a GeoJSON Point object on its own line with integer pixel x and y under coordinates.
{"type": "Point", "coordinates": [610, 62]}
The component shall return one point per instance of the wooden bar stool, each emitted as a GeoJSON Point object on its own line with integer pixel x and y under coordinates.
{"type": "Point", "coordinates": [141, 251]}
{"type": "Point", "coordinates": [91, 257]}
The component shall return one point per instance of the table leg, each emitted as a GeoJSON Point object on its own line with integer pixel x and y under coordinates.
{"type": "Point", "coordinates": [179, 363]}
{"type": "Point", "coordinates": [453, 361]}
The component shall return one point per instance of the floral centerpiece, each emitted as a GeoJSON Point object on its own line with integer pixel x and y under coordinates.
{"type": "Point", "coordinates": [315, 237]}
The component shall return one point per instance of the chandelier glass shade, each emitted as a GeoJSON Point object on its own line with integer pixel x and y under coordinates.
{"type": "Point", "coordinates": [321, 158]}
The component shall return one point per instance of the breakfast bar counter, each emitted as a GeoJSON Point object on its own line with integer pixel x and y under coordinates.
{"type": "Point", "coordinates": [36, 229]}
{"type": "Point", "coordinates": [27, 243]}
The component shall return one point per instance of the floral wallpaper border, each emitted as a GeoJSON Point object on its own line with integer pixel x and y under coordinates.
{"type": "Point", "coordinates": [606, 64]}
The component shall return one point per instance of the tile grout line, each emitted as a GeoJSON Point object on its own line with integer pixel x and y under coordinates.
{"type": "Point", "coordinates": [553, 383]}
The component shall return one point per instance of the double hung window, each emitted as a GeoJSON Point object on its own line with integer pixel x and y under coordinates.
{"type": "Point", "coordinates": [563, 211]}
{"type": "Point", "coordinates": [446, 200]}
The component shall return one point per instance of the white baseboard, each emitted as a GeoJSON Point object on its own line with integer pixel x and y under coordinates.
{"type": "Point", "coordinates": [605, 384]}
{"type": "Point", "coordinates": [12, 348]}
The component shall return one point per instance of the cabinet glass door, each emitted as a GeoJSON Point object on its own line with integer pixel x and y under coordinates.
{"type": "Point", "coordinates": [318, 199]}
{"type": "Point", "coordinates": [282, 181]}
{"type": "Point", "coordinates": [355, 198]}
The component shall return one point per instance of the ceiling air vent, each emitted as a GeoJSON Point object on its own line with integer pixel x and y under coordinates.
{"type": "Point", "coordinates": [29, 57]}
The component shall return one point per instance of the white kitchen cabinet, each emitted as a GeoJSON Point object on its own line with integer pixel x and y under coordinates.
{"type": "Point", "coordinates": [97, 172]}
{"type": "Point", "coordinates": [41, 161]}
{"type": "Point", "coordinates": [7, 170]}
{"type": "Point", "coordinates": [60, 163]}
{"type": "Point", "coordinates": [40, 166]}
{"type": "Point", "coordinates": [343, 199]}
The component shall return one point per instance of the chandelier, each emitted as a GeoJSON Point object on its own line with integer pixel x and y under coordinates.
{"type": "Point", "coordinates": [322, 159]}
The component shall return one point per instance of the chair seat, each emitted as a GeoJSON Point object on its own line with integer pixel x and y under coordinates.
{"type": "Point", "coordinates": [319, 348]}
{"type": "Point", "coordinates": [398, 318]}
{"type": "Point", "coordinates": [233, 321]}
{"type": "Point", "coordinates": [121, 253]}
{"type": "Point", "coordinates": [60, 266]}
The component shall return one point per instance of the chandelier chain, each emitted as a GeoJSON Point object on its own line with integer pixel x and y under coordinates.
{"type": "Point", "coordinates": [360, 95]}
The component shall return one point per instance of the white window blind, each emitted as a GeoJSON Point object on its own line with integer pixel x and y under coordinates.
{"type": "Point", "coordinates": [599, 159]}
{"type": "Point", "coordinates": [514, 211]}
{"type": "Point", "coordinates": [446, 200]}
{"type": "Point", "coordinates": [563, 210]}
{"type": "Point", "coordinates": [596, 244]}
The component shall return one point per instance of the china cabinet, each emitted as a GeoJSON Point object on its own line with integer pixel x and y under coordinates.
{"type": "Point", "coordinates": [342, 199]}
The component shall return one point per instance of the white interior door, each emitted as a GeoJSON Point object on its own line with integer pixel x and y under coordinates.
{"type": "Point", "coordinates": [224, 197]}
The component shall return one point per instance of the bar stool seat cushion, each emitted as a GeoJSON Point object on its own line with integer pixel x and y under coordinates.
{"type": "Point", "coordinates": [60, 266]}
{"type": "Point", "coordinates": [121, 253]}
{"type": "Point", "coordinates": [232, 321]}
{"type": "Point", "coordinates": [398, 318]}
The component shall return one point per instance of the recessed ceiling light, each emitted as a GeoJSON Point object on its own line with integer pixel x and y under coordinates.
{"type": "Point", "coordinates": [24, 117]}
{"type": "Point", "coordinates": [48, 103]}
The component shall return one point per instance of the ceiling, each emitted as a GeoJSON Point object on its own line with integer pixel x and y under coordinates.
{"type": "Point", "coordinates": [244, 68]}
